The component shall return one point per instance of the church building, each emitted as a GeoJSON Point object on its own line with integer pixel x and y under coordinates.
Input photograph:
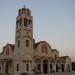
{"type": "Point", "coordinates": [27, 57]}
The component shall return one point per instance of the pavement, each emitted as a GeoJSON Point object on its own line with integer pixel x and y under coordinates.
{"type": "Point", "coordinates": [64, 73]}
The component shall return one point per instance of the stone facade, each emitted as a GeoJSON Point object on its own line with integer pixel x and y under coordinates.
{"type": "Point", "coordinates": [27, 57]}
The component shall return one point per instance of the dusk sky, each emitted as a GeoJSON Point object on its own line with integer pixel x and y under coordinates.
{"type": "Point", "coordinates": [53, 21]}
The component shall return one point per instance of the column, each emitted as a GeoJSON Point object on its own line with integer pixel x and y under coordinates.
{"type": "Point", "coordinates": [4, 66]}
{"type": "Point", "coordinates": [55, 67]}
{"type": "Point", "coordinates": [49, 68]}
{"type": "Point", "coordinates": [60, 66]}
{"type": "Point", "coordinates": [41, 67]}
{"type": "Point", "coordinates": [33, 67]}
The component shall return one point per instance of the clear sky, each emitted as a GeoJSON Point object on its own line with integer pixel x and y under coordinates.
{"type": "Point", "coordinates": [54, 22]}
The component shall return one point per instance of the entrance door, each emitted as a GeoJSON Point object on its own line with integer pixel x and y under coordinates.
{"type": "Point", "coordinates": [56, 67]}
{"type": "Point", "coordinates": [6, 69]}
{"type": "Point", "coordinates": [45, 66]}
{"type": "Point", "coordinates": [51, 68]}
{"type": "Point", "coordinates": [62, 67]}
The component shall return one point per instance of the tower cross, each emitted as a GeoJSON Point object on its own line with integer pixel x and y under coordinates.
{"type": "Point", "coordinates": [24, 6]}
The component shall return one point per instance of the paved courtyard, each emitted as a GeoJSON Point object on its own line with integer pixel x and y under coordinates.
{"type": "Point", "coordinates": [65, 73]}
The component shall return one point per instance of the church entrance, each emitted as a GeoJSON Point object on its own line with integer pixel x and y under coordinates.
{"type": "Point", "coordinates": [56, 67]}
{"type": "Point", "coordinates": [37, 68]}
{"type": "Point", "coordinates": [45, 66]}
{"type": "Point", "coordinates": [62, 67]}
{"type": "Point", "coordinates": [6, 69]}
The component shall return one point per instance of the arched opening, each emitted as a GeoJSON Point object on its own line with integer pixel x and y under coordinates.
{"type": "Point", "coordinates": [25, 22]}
{"type": "Point", "coordinates": [45, 66]}
{"type": "Point", "coordinates": [17, 67]}
{"type": "Point", "coordinates": [51, 68]}
{"type": "Point", "coordinates": [37, 66]}
{"type": "Point", "coordinates": [6, 69]}
{"type": "Point", "coordinates": [27, 43]}
{"type": "Point", "coordinates": [56, 67]}
{"type": "Point", "coordinates": [18, 43]}
{"type": "Point", "coordinates": [27, 67]}
{"type": "Point", "coordinates": [55, 56]}
{"type": "Point", "coordinates": [44, 49]}
{"type": "Point", "coordinates": [62, 67]}
{"type": "Point", "coordinates": [7, 51]}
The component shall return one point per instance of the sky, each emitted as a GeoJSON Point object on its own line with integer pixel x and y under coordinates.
{"type": "Point", "coordinates": [53, 21]}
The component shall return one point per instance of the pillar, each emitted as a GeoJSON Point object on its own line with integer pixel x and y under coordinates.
{"type": "Point", "coordinates": [55, 67]}
{"type": "Point", "coordinates": [4, 67]}
{"type": "Point", "coordinates": [60, 67]}
{"type": "Point", "coordinates": [41, 67]}
{"type": "Point", "coordinates": [49, 68]}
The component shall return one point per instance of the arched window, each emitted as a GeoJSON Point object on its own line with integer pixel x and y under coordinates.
{"type": "Point", "coordinates": [27, 43]}
{"type": "Point", "coordinates": [38, 65]}
{"type": "Point", "coordinates": [51, 67]}
{"type": "Point", "coordinates": [0, 67]}
{"type": "Point", "coordinates": [44, 49]}
{"type": "Point", "coordinates": [55, 56]}
{"type": "Point", "coordinates": [27, 67]}
{"type": "Point", "coordinates": [6, 69]}
{"type": "Point", "coordinates": [17, 67]}
{"type": "Point", "coordinates": [25, 22]}
{"type": "Point", "coordinates": [18, 43]}
{"type": "Point", "coordinates": [29, 22]}
{"type": "Point", "coordinates": [20, 22]}
{"type": "Point", "coordinates": [7, 51]}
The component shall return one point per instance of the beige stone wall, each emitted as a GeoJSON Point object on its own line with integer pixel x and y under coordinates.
{"type": "Point", "coordinates": [22, 67]}
{"type": "Point", "coordinates": [38, 50]}
{"type": "Point", "coordinates": [55, 52]}
{"type": "Point", "coordinates": [10, 53]}
{"type": "Point", "coordinates": [68, 62]}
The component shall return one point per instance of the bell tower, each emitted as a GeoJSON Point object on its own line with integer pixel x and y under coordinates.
{"type": "Point", "coordinates": [24, 32]}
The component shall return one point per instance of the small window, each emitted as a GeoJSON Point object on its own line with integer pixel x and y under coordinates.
{"type": "Point", "coordinates": [20, 22]}
{"type": "Point", "coordinates": [0, 67]}
{"type": "Point", "coordinates": [7, 51]}
{"type": "Point", "coordinates": [17, 67]}
{"type": "Point", "coordinates": [55, 56]}
{"type": "Point", "coordinates": [27, 67]}
{"type": "Point", "coordinates": [25, 22]}
{"type": "Point", "coordinates": [6, 69]}
{"type": "Point", "coordinates": [17, 23]}
{"type": "Point", "coordinates": [44, 49]}
{"type": "Point", "coordinates": [51, 67]}
{"type": "Point", "coordinates": [27, 43]}
{"type": "Point", "coordinates": [18, 43]}
{"type": "Point", "coordinates": [29, 22]}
